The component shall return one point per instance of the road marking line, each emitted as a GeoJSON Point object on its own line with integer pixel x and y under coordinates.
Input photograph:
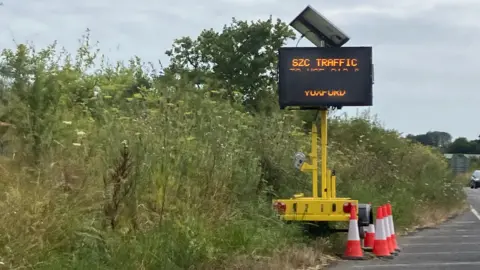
{"type": "Point", "coordinates": [415, 264]}
{"type": "Point", "coordinates": [443, 236]}
{"type": "Point", "coordinates": [465, 222]}
{"type": "Point", "coordinates": [440, 252]}
{"type": "Point", "coordinates": [446, 230]}
{"type": "Point", "coordinates": [474, 212]}
{"type": "Point", "coordinates": [442, 244]}
{"type": "Point", "coordinates": [452, 225]}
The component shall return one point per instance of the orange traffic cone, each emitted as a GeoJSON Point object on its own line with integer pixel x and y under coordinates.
{"type": "Point", "coordinates": [392, 228]}
{"type": "Point", "coordinates": [387, 230]}
{"type": "Point", "coordinates": [369, 237]}
{"type": "Point", "coordinates": [380, 245]}
{"type": "Point", "coordinates": [354, 248]}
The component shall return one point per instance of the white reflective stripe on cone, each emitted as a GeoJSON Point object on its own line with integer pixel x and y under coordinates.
{"type": "Point", "coordinates": [353, 233]}
{"type": "Point", "coordinates": [371, 228]}
{"type": "Point", "coordinates": [380, 232]}
{"type": "Point", "coordinates": [392, 228]}
{"type": "Point", "coordinates": [387, 227]}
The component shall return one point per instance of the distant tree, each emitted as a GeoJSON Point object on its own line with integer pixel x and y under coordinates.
{"type": "Point", "coordinates": [424, 139]}
{"type": "Point", "coordinates": [437, 139]}
{"type": "Point", "coordinates": [462, 145]}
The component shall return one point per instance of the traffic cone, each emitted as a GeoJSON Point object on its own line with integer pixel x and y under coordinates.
{"type": "Point", "coordinates": [392, 228]}
{"type": "Point", "coordinates": [369, 237]}
{"type": "Point", "coordinates": [380, 245]}
{"type": "Point", "coordinates": [354, 248]}
{"type": "Point", "coordinates": [388, 233]}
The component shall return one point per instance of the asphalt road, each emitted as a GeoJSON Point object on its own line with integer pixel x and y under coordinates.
{"type": "Point", "coordinates": [452, 245]}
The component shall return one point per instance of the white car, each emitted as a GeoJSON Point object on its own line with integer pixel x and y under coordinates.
{"type": "Point", "coordinates": [475, 179]}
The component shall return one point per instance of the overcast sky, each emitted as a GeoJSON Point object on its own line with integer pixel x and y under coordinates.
{"type": "Point", "coordinates": [425, 52]}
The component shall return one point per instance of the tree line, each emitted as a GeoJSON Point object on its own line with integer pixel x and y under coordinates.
{"type": "Point", "coordinates": [444, 142]}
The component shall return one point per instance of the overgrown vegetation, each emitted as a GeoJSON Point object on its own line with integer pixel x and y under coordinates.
{"type": "Point", "coordinates": [127, 167]}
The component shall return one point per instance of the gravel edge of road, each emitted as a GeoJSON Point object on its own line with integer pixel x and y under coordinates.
{"type": "Point", "coordinates": [454, 214]}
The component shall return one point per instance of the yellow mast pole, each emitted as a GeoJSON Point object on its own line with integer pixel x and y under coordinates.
{"type": "Point", "coordinates": [314, 157]}
{"type": "Point", "coordinates": [323, 138]}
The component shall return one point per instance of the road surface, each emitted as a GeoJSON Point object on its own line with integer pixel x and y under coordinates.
{"type": "Point", "coordinates": [452, 245]}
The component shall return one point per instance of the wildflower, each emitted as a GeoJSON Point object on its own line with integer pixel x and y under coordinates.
{"type": "Point", "coordinates": [80, 133]}
{"type": "Point", "coordinates": [77, 144]}
{"type": "Point", "coordinates": [96, 91]}
{"type": "Point", "coordinates": [67, 122]}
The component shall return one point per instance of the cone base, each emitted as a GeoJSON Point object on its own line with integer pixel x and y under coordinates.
{"type": "Point", "coordinates": [381, 251]}
{"type": "Point", "coordinates": [369, 240]}
{"type": "Point", "coordinates": [368, 248]}
{"type": "Point", "coordinates": [398, 250]}
{"type": "Point", "coordinates": [354, 249]}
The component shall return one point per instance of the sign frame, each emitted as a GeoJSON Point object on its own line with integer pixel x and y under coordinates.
{"type": "Point", "coordinates": [360, 84]}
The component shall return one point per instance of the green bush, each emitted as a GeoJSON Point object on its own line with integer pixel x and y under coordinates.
{"type": "Point", "coordinates": [377, 165]}
{"type": "Point", "coordinates": [170, 175]}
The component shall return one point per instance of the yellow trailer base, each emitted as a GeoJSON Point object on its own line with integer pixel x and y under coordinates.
{"type": "Point", "coordinates": [314, 209]}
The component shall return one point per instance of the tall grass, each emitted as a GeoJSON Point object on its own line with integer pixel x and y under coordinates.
{"type": "Point", "coordinates": [168, 175]}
